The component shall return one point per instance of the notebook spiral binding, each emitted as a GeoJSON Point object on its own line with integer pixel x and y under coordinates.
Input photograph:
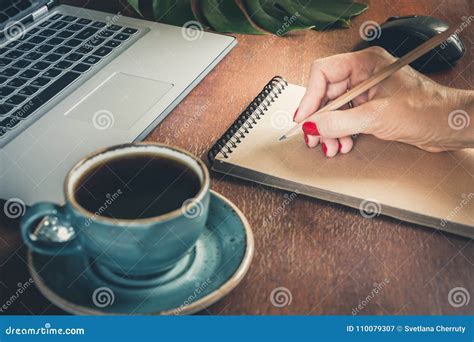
{"type": "Point", "coordinates": [248, 118]}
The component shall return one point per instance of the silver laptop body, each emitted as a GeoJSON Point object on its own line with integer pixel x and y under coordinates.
{"type": "Point", "coordinates": [119, 99]}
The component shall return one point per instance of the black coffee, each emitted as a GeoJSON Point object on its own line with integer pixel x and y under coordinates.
{"type": "Point", "coordinates": [139, 186]}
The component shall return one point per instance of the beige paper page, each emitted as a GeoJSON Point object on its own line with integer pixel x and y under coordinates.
{"type": "Point", "coordinates": [434, 189]}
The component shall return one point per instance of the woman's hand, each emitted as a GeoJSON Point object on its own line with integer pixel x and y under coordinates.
{"type": "Point", "coordinates": [406, 107]}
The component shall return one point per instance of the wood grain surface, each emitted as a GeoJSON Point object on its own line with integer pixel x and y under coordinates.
{"type": "Point", "coordinates": [329, 257]}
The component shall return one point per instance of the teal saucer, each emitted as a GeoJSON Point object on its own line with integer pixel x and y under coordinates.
{"type": "Point", "coordinates": [213, 268]}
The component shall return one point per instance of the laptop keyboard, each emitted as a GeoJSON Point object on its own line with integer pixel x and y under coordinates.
{"type": "Point", "coordinates": [43, 62]}
{"type": "Point", "coordinates": [11, 8]}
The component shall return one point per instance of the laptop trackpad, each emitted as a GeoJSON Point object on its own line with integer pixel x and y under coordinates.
{"type": "Point", "coordinates": [119, 102]}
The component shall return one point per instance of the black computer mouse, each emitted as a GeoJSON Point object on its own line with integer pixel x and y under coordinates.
{"type": "Point", "coordinates": [399, 35]}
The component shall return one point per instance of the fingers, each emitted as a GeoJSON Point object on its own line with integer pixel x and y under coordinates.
{"type": "Point", "coordinates": [341, 70]}
{"type": "Point", "coordinates": [329, 126]}
{"type": "Point", "coordinates": [341, 123]}
{"type": "Point", "coordinates": [323, 72]}
{"type": "Point", "coordinates": [311, 140]}
{"type": "Point", "coordinates": [330, 147]}
{"type": "Point", "coordinates": [330, 78]}
{"type": "Point", "coordinates": [345, 144]}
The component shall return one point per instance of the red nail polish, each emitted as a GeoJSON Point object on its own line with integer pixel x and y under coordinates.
{"type": "Point", "coordinates": [325, 149]}
{"type": "Point", "coordinates": [310, 128]}
{"type": "Point", "coordinates": [294, 115]}
{"type": "Point", "coordinates": [306, 139]}
{"type": "Point", "coordinates": [340, 146]}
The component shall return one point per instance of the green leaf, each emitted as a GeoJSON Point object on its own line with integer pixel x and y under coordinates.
{"type": "Point", "coordinates": [254, 16]}
{"type": "Point", "coordinates": [175, 12]}
{"type": "Point", "coordinates": [227, 16]}
{"type": "Point", "coordinates": [136, 5]}
{"type": "Point", "coordinates": [323, 14]}
{"type": "Point", "coordinates": [272, 19]}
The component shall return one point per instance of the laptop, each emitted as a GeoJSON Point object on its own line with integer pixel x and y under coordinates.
{"type": "Point", "coordinates": [75, 80]}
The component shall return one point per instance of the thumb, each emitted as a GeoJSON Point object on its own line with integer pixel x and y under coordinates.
{"type": "Point", "coordinates": [340, 123]}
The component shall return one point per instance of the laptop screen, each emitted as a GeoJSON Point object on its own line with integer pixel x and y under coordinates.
{"type": "Point", "coordinates": [11, 11]}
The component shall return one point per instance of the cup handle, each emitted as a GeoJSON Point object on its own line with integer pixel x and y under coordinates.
{"type": "Point", "coordinates": [57, 223]}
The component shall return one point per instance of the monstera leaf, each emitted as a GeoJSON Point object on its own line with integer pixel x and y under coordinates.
{"type": "Point", "coordinates": [252, 16]}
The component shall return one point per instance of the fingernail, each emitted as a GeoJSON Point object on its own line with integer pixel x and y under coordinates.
{"type": "Point", "coordinates": [325, 149]}
{"type": "Point", "coordinates": [310, 128]}
{"type": "Point", "coordinates": [340, 146]}
{"type": "Point", "coordinates": [312, 141]}
{"type": "Point", "coordinates": [306, 139]}
{"type": "Point", "coordinates": [294, 115]}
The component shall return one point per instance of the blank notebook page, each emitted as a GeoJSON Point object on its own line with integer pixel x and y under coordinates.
{"type": "Point", "coordinates": [433, 189]}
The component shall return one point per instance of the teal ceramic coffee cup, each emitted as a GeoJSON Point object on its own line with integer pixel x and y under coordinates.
{"type": "Point", "coordinates": [132, 248]}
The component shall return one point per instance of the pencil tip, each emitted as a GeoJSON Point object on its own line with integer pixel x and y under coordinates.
{"type": "Point", "coordinates": [283, 137]}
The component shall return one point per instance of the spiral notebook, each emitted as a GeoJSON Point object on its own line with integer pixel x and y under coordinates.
{"type": "Point", "coordinates": [377, 177]}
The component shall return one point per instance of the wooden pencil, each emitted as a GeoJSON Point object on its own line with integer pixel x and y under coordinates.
{"type": "Point", "coordinates": [378, 77]}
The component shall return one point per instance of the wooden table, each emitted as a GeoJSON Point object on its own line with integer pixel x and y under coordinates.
{"type": "Point", "coordinates": [326, 255]}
